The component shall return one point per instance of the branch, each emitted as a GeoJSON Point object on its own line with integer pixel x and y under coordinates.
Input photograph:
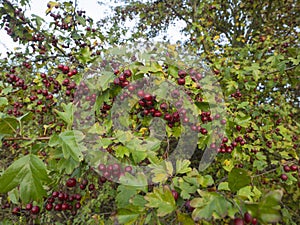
{"type": "Point", "coordinates": [26, 139]}
{"type": "Point", "coordinates": [177, 14]}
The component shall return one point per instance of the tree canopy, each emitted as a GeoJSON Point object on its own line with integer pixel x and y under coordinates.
{"type": "Point", "coordinates": [86, 104]}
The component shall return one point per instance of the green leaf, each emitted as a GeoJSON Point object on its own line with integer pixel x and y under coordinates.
{"type": "Point", "coordinates": [138, 180]}
{"type": "Point", "coordinates": [85, 55]}
{"type": "Point", "coordinates": [209, 205]}
{"type": "Point", "coordinates": [105, 79]}
{"type": "Point", "coordinates": [268, 209]}
{"type": "Point", "coordinates": [3, 101]}
{"type": "Point", "coordinates": [243, 120]}
{"type": "Point", "coordinates": [162, 199]}
{"type": "Point", "coordinates": [68, 114]}
{"type": "Point", "coordinates": [185, 219]}
{"type": "Point", "coordinates": [70, 143]}
{"type": "Point", "coordinates": [30, 173]}
{"type": "Point", "coordinates": [26, 117]}
{"type": "Point", "coordinates": [238, 178]}
{"type": "Point", "coordinates": [186, 185]}
{"type": "Point", "coordinates": [128, 216]}
{"type": "Point", "coordinates": [182, 166]}
{"type": "Point", "coordinates": [8, 125]}
{"type": "Point", "coordinates": [206, 180]}
{"type": "Point", "coordinates": [246, 192]}
{"type": "Point", "coordinates": [125, 193]}
{"type": "Point", "coordinates": [223, 186]}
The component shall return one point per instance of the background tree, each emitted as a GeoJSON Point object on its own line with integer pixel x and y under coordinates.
{"type": "Point", "coordinates": [46, 175]}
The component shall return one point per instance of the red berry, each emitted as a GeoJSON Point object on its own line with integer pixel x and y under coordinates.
{"type": "Point", "coordinates": [182, 73]}
{"type": "Point", "coordinates": [223, 121]}
{"type": "Point", "coordinates": [247, 217]}
{"type": "Point", "coordinates": [84, 182]}
{"type": "Point", "coordinates": [127, 73]}
{"type": "Point", "coordinates": [128, 169]}
{"type": "Point", "coordinates": [55, 194]}
{"type": "Point", "coordinates": [57, 207]}
{"type": "Point", "coordinates": [49, 207]}
{"type": "Point", "coordinates": [116, 167]}
{"type": "Point", "coordinates": [286, 168]}
{"type": "Point", "coordinates": [60, 66]}
{"type": "Point", "coordinates": [91, 187]}
{"type": "Point", "coordinates": [64, 206]}
{"type": "Point", "coordinates": [284, 177]}
{"type": "Point", "coordinates": [16, 210]}
{"type": "Point", "coordinates": [77, 205]}
{"type": "Point", "coordinates": [294, 167]}
{"type": "Point", "coordinates": [71, 182]}
{"type": "Point", "coordinates": [148, 97]}
{"type": "Point", "coordinates": [188, 206]}
{"type": "Point", "coordinates": [254, 221]}
{"type": "Point", "coordinates": [238, 221]}
{"type": "Point", "coordinates": [28, 206]}
{"type": "Point", "coordinates": [35, 210]}
{"type": "Point", "coordinates": [181, 81]}
{"type": "Point", "coordinates": [141, 93]}
{"type": "Point", "coordinates": [175, 194]}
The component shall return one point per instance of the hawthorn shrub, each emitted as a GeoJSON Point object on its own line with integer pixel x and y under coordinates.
{"type": "Point", "coordinates": [144, 133]}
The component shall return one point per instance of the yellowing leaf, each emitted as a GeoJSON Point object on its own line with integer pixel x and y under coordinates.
{"type": "Point", "coordinates": [51, 5]}
{"type": "Point", "coordinates": [162, 172]}
{"type": "Point", "coordinates": [217, 37]}
{"type": "Point", "coordinates": [162, 199]}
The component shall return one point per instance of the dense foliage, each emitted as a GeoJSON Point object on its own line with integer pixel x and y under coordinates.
{"type": "Point", "coordinates": [89, 130]}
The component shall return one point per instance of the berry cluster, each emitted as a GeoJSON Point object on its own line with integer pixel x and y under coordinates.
{"type": "Point", "coordinates": [248, 219]}
{"type": "Point", "coordinates": [112, 171]}
{"type": "Point", "coordinates": [288, 169]}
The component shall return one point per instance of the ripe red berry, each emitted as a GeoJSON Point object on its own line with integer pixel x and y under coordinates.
{"type": "Point", "coordinates": [128, 169]}
{"type": "Point", "coordinates": [247, 217]}
{"type": "Point", "coordinates": [127, 73]}
{"type": "Point", "coordinates": [182, 73]}
{"type": "Point", "coordinates": [238, 221]}
{"type": "Point", "coordinates": [35, 210]}
{"type": "Point", "coordinates": [284, 177]}
{"type": "Point", "coordinates": [57, 207]}
{"type": "Point", "coordinates": [49, 206]}
{"type": "Point", "coordinates": [64, 206]}
{"type": "Point", "coordinates": [77, 205]}
{"type": "Point", "coordinates": [188, 206]}
{"type": "Point", "coordinates": [91, 187]}
{"type": "Point", "coordinates": [60, 66]}
{"type": "Point", "coordinates": [223, 121]}
{"type": "Point", "coordinates": [148, 97]}
{"type": "Point", "coordinates": [28, 206]}
{"type": "Point", "coordinates": [55, 194]}
{"type": "Point", "coordinates": [164, 106]}
{"type": "Point", "coordinates": [16, 210]}
{"type": "Point", "coordinates": [175, 194]}
{"type": "Point", "coordinates": [286, 168]}
{"type": "Point", "coordinates": [181, 81]}
{"type": "Point", "coordinates": [71, 182]}
{"type": "Point", "coordinates": [254, 221]}
{"type": "Point", "coordinates": [294, 167]}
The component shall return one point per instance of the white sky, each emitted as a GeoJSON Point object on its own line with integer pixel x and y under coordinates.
{"type": "Point", "coordinates": [92, 8]}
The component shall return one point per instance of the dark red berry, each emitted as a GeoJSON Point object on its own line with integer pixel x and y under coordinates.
{"type": "Point", "coordinates": [247, 217]}
{"type": "Point", "coordinates": [28, 206]}
{"type": "Point", "coordinates": [35, 210]}
{"type": "Point", "coordinates": [238, 221]}
{"type": "Point", "coordinates": [284, 177]}
{"type": "Point", "coordinates": [71, 182]}
{"type": "Point", "coordinates": [175, 194]}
